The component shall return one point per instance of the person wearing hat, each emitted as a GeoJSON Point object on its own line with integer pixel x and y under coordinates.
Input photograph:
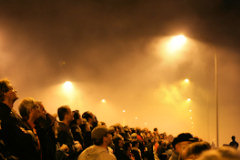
{"type": "Point", "coordinates": [179, 144]}
{"type": "Point", "coordinates": [102, 138]}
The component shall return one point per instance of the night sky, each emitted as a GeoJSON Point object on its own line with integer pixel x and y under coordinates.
{"type": "Point", "coordinates": [113, 49]}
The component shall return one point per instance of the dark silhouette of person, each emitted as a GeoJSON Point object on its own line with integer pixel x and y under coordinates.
{"type": "Point", "coordinates": [17, 141]}
{"type": "Point", "coordinates": [234, 144]}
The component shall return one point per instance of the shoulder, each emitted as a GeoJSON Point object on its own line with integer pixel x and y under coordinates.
{"type": "Point", "coordinates": [85, 153]}
{"type": "Point", "coordinates": [107, 156]}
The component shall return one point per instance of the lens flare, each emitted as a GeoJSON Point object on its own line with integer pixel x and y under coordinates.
{"type": "Point", "coordinates": [176, 43]}
{"type": "Point", "coordinates": [103, 100]}
{"type": "Point", "coordinates": [189, 100]}
{"type": "Point", "coordinates": [68, 86]}
{"type": "Point", "coordinates": [186, 80]}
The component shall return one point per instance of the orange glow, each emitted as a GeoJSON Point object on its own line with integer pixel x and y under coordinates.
{"type": "Point", "coordinates": [176, 43]}
{"type": "Point", "coordinates": [186, 80]}
{"type": "Point", "coordinates": [67, 86]}
{"type": "Point", "coordinates": [189, 100]}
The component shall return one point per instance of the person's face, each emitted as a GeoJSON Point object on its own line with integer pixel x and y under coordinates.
{"type": "Point", "coordinates": [41, 108]}
{"type": "Point", "coordinates": [108, 139]}
{"type": "Point", "coordinates": [79, 121]}
{"type": "Point", "coordinates": [69, 115]}
{"type": "Point", "coordinates": [11, 94]}
{"type": "Point", "coordinates": [120, 143]}
{"type": "Point", "coordinates": [181, 146]}
{"type": "Point", "coordinates": [92, 119]}
{"type": "Point", "coordinates": [35, 112]}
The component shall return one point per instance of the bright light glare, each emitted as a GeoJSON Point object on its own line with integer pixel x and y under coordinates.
{"type": "Point", "coordinates": [189, 100]}
{"type": "Point", "coordinates": [190, 110]}
{"type": "Point", "coordinates": [68, 86]}
{"type": "Point", "coordinates": [124, 111]}
{"type": "Point", "coordinates": [103, 101]}
{"type": "Point", "coordinates": [176, 43]}
{"type": "Point", "coordinates": [186, 80]}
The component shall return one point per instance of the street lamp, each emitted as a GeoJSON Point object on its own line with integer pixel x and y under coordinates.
{"type": "Point", "coordinates": [67, 86]}
{"type": "Point", "coordinates": [103, 101]}
{"type": "Point", "coordinates": [216, 96]}
{"type": "Point", "coordinates": [189, 100]}
{"type": "Point", "coordinates": [176, 43]}
{"type": "Point", "coordinates": [186, 80]}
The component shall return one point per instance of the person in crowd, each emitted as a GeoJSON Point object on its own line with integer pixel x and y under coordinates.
{"type": "Point", "coordinates": [194, 150]}
{"type": "Point", "coordinates": [37, 135]}
{"type": "Point", "coordinates": [233, 144]}
{"type": "Point", "coordinates": [161, 150]}
{"type": "Point", "coordinates": [140, 140]}
{"type": "Point", "coordinates": [99, 151]}
{"type": "Point", "coordinates": [86, 133]}
{"type": "Point", "coordinates": [179, 144]}
{"type": "Point", "coordinates": [62, 150]}
{"type": "Point", "coordinates": [89, 122]}
{"type": "Point", "coordinates": [118, 142]}
{"type": "Point", "coordinates": [17, 142]}
{"type": "Point", "coordinates": [127, 148]}
{"type": "Point", "coordinates": [127, 132]}
{"type": "Point", "coordinates": [30, 112]}
{"type": "Point", "coordinates": [149, 154]}
{"type": "Point", "coordinates": [223, 153]}
{"type": "Point", "coordinates": [156, 134]}
{"type": "Point", "coordinates": [91, 119]}
{"type": "Point", "coordinates": [169, 149]}
{"type": "Point", "coordinates": [136, 151]}
{"type": "Point", "coordinates": [64, 132]}
{"type": "Point", "coordinates": [45, 131]}
{"type": "Point", "coordinates": [75, 127]}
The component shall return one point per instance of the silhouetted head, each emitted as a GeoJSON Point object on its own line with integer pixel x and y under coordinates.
{"type": "Point", "coordinates": [7, 92]}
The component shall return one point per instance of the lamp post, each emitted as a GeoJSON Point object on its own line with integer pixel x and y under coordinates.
{"type": "Point", "coordinates": [216, 97]}
{"type": "Point", "coordinates": [176, 43]}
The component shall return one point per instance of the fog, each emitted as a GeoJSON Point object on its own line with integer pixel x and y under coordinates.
{"type": "Point", "coordinates": [116, 50]}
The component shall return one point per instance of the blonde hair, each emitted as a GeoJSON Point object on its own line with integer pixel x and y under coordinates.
{"type": "Point", "coordinates": [25, 107]}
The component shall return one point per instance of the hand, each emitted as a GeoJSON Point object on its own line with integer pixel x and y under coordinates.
{"type": "Point", "coordinates": [88, 129]}
{"type": "Point", "coordinates": [23, 130]}
{"type": "Point", "coordinates": [64, 148]}
{"type": "Point", "coordinates": [78, 146]}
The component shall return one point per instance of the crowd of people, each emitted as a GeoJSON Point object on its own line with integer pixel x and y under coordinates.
{"type": "Point", "coordinates": [37, 135]}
